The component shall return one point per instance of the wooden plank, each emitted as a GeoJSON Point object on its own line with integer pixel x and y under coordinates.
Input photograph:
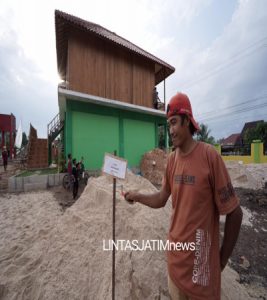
{"type": "Point", "coordinates": [86, 65]}
{"type": "Point", "coordinates": [103, 69]}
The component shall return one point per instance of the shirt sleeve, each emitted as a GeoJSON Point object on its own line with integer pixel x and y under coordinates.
{"type": "Point", "coordinates": [224, 194]}
{"type": "Point", "coordinates": [166, 178]}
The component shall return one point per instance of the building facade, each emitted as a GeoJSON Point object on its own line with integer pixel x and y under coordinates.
{"type": "Point", "coordinates": [106, 100]}
{"type": "Point", "coordinates": [8, 133]}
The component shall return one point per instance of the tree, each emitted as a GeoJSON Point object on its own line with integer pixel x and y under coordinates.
{"type": "Point", "coordinates": [24, 139]}
{"type": "Point", "coordinates": [257, 133]}
{"type": "Point", "coordinates": [203, 134]}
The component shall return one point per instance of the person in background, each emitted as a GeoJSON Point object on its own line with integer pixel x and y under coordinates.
{"type": "Point", "coordinates": [201, 191]}
{"type": "Point", "coordinates": [82, 166]}
{"type": "Point", "coordinates": [75, 176]}
{"type": "Point", "coordinates": [155, 98]}
{"type": "Point", "coordinates": [4, 157]}
{"type": "Point", "coordinates": [69, 168]}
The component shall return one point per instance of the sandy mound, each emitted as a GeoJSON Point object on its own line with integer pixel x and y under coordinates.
{"type": "Point", "coordinates": [259, 172]}
{"type": "Point", "coordinates": [68, 261]}
{"type": "Point", "coordinates": [245, 176]}
{"type": "Point", "coordinates": [26, 221]}
{"type": "Point", "coordinates": [153, 164]}
{"type": "Point", "coordinates": [46, 255]}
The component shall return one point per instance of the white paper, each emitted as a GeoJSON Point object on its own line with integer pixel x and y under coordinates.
{"type": "Point", "coordinates": [115, 166]}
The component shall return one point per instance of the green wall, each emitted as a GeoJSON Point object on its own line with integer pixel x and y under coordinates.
{"type": "Point", "coordinates": [91, 130]}
{"type": "Point", "coordinates": [92, 136]}
{"type": "Point", "coordinates": [139, 137]}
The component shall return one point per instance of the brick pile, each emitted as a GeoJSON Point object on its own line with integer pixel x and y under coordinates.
{"type": "Point", "coordinates": [37, 151]}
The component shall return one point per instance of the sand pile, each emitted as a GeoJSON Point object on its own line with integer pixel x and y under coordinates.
{"type": "Point", "coordinates": [153, 164]}
{"type": "Point", "coordinates": [68, 261]}
{"type": "Point", "coordinates": [259, 172]}
{"type": "Point", "coordinates": [26, 221]}
{"type": "Point", "coordinates": [246, 176]}
{"type": "Point", "coordinates": [46, 255]}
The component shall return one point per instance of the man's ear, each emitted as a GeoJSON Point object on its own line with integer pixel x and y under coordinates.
{"type": "Point", "coordinates": [187, 121]}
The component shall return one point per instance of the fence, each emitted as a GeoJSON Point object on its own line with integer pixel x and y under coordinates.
{"type": "Point", "coordinates": [253, 153]}
{"type": "Point", "coordinates": [244, 150]}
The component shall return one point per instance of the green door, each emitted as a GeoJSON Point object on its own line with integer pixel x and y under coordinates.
{"type": "Point", "coordinates": [92, 136]}
{"type": "Point", "coordinates": [139, 137]}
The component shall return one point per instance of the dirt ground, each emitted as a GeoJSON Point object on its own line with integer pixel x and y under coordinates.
{"type": "Point", "coordinates": [249, 257]}
{"type": "Point", "coordinates": [64, 197]}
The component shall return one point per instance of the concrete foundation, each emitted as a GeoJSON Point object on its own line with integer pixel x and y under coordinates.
{"type": "Point", "coordinates": [34, 182]}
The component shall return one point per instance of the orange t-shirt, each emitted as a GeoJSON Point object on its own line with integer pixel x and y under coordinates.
{"type": "Point", "coordinates": [201, 190]}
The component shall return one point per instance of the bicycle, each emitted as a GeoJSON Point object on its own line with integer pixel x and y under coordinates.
{"type": "Point", "coordinates": [67, 181]}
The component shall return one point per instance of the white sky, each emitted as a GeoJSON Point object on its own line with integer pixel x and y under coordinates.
{"type": "Point", "coordinates": [219, 50]}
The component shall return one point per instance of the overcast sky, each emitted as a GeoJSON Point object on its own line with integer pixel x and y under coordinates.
{"type": "Point", "coordinates": [218, 48]}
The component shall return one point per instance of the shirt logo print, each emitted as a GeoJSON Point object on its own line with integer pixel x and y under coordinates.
{"type": "Point", "coordinates": [226, 193]}
{"type": "Point", "coordinates": [184, 179]}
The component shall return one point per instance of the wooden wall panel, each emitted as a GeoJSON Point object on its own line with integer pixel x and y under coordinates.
{"type": "Point", "coordinates": [137, 83]}
{"type": "Point", "coordinates": [143, 83]}
{"type": "Point", "coordinates": [110, 75]}
{"type": "Point", "coordinates": [123, 77]}
{"type": "Point", "coordinates": [118, 74]}
{"type": "Point", "coordinates": [100, 68]}
{"type": "Point", "coordinates": [86, 65]}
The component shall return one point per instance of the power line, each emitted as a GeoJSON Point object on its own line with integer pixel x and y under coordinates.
{"type": "Point", "coordinates": [222, 68]}
{"type": "Point", "coordinates": [232, 60]}
{"type": "Point", "coordinates": [235, 119]}
{"type": "Point", "coordinates": [231, 121]}
{"type": "Point", "coordinates": [232, 106]}
{"type": "Point", "coordinates": [236, 112]}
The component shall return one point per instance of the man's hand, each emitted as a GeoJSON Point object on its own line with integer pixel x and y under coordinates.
{"type": "Point", "coordinates": [130, 197]}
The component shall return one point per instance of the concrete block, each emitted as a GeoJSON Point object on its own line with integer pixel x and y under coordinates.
{"type": "Point", "coordinates": [19, 184]}
{"type": "Point", "coordinates": [34, 182]}
{"type": "Point", "coordinates": [15, 184]}
{"type": "Point", "coordinates": [55, 179]}
{"type": "Point", "coordinates": [35, 186]}
{"type": "Point", "coordinates": [37, 179]}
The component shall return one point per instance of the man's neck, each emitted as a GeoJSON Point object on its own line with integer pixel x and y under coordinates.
{"type": "Point", "coordinates": [187, 146]}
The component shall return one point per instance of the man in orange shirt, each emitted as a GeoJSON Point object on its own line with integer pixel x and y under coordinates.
{"type": "Point", "coordinates": [201, 190]}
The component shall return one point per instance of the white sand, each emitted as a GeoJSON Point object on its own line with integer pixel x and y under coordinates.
{"type": "Point", "coordinates": [47, 255]}
{"type": "Point", "coordinates": [252, 176]}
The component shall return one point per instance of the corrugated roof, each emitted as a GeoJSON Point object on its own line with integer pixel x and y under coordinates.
{"type": "Point", "coordinates": [64, 22]}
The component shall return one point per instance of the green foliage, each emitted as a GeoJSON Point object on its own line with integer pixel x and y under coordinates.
{"type": "Point", "coordinates": [257, 133]}
{"type": "Point", "coordinates": [204, 134]}
{"type": "Point", "coordinates": [38, 172]}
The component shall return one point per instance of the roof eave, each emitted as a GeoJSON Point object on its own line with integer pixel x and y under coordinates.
{"type": "Point", "coordinates": [64, 94]}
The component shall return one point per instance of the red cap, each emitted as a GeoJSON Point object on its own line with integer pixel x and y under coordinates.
{"type": "Point", "coordinates": [180, 104]}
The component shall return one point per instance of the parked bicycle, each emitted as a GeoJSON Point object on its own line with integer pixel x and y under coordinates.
{"type": "Point", "coordinates": [67, 181]}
